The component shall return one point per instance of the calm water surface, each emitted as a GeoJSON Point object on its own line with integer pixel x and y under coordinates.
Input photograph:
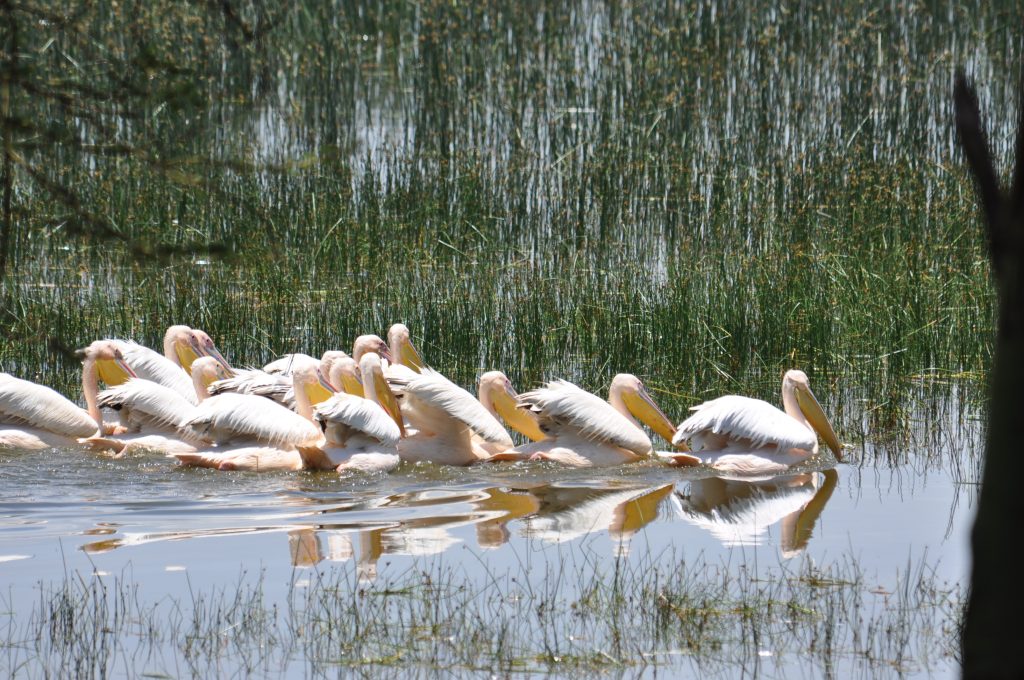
{"type": "Point", "coordinates": [172, 530]}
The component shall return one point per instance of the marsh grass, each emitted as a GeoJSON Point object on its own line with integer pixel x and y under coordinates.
{"type": "Point", "coordinates": [582, 616]}
{"type": "Point", "coordinates": [699, 194]}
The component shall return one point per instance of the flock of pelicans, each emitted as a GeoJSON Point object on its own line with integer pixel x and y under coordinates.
{"type": "Point", "coordinates": [382, 405]}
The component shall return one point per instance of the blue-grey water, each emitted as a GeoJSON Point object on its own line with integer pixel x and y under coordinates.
{"type": "Point", "coordinates": [173, 531]}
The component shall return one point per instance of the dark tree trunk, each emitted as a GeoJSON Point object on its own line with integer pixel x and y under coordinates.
{"type": "Point", "coordinates": [993, 635]}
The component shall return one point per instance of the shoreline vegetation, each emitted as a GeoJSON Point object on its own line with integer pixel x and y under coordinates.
{"type": "Point", "coordinates": [589, 615]}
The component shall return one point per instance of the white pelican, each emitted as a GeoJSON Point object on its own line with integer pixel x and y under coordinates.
{"type": "Point", "coordinates": [277, 383]}
{"type": "Point", "coordinates": [253, 433]}
{"type": "Point", "coordinates": [205, 345]}
{"type": "Point", "coordinates": [169, 369]}
{"type": "Point", "coordinates": [344, 376]}
{"type": "Point", "coordinates": [102, 360]}
{"type": "Point", "coordinates": [361, 434]}
{"type": "Point", "coordinates": [497, 395]}
{"type": "Point", "coordinates": [402, 349]}
{"type": "Point", "coordinates": [583, 429]}
{"type": "Point", "coordinates": [744, 436]}
{"type": "Point", "coordinates": [150, 413]}
{"type": "Point", "coordinates": [371, 343]}
{"type": "Point", "coordinates": [33, 416]}
{"type": "Point", "coordinates": [442, 419]}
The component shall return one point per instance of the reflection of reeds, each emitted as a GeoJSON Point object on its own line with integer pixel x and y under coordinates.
{"type": "Point", "coordinates": [663, 612]}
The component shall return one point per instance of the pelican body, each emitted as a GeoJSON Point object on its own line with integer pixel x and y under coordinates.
{"type": "Point", "coordinates": [362, 434]}
{"type": "Point", "coordinates": [443, 420]}
{"type": "Point", "coordinates": [36, 417]}
{"type": "Point", "coordinates": [744, 436]}
{"type": "Point", "coordinates": [583, 429]}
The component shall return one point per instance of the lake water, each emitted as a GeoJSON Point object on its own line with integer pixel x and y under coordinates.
{"type": "Point", "coordinates": [171, 531]}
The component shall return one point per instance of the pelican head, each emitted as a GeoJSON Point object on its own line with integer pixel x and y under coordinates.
{"type": "Point", "coordinates": [204, 344]}
{"type": "Point", "coordinates": [344, 376]}
{"type": "Point", "coordinates": [370, 343]}
{"type": "Point", "coordinates": [327, 361]}
{"type": "Point", "coordinates": [629, 395]}
{"type": "Point", "coordinates": [404, 352]}
{"type": "Point", "coordinates": [309, 379]}
{"type": "Point", "coordinates": [796, 388]}
{"type": "Point", "coordinates": [181, 346]}
{"type": "Point", "coordinates": [207, 370]}
{"type": "Point", "coordinates": [377, 387]}
{"type": "Point", "coordinates": [498, 397]}
{"type": "Point", "coordinates": [108, 361]}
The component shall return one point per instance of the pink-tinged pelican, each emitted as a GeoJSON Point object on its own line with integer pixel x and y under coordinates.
{"type": "Point", "coordinates": [402, 349]}
{"type": "Point", "coordinates": [277, 385]}
{"type": "Point", "coordinates": [253, 433]}
{"type": "Point", "coordinates": [361, 434]}
{"type": "Point", "coordinates": [497, 395]}
{"type": "Point", "coordinates": [169, 369]}
{"type": "Point", "coordinates": [150, 414]}
{"type": "Point", "coordinates": [583, 429]}
{"type": "Point", "coordinates": [442, 419]}
{"type": "Point", "coordinates": [744, 436]}
{"type": "Point", "coordinates": [345, 377]}
{"type": "Point", "coordinates": [33, 416]}
{"type": "Point", "coordinates": [371, 343]}
{"type": "Point", "coordinates": [205, 345]}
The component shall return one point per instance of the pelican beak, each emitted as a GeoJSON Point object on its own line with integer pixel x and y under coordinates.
{"type": "Point", "coordinates": [213, 352]}
{"type": "Point", "coordinates": [352, 384]}
{"type": "Point", "coordinates": [646, 411]}
{"type": "Point", "coordinates": [187, 353]}
{"type": "Point", "coordinates": [409, 356]}
{"type": "Point", "coordinates": [519, 419]}
{"type": "Point", "coordinates": [818, 420]}
{"type": "Point", "coordinates": [388, 401]}
{"type": "Point", "coordinates": [385, 353]}
{"type": "Point", "coordinates": [319, 391]}
{"type": "Point", "coordinates": [114, 372]}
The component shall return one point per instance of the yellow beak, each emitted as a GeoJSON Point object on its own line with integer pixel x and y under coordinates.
{"type": "Point", "coordinates": [518, 419]}
{"type": "Point", "coordinates": [186, 355]}
{"type": "Point", "coordinates": [317, 392]}
{"type": "Point", "coordinates": [816, 417]}
{"type": "Point", "coordinates": [350, 384]}
{"type": "Point", "coordinates": [113, 372]}
{"type": "Point", "coordinates": [409, 356]}
{"type": "Point", "coordinates": [646, 411]}
{"type": "Point", "coordinates": [387, 400]}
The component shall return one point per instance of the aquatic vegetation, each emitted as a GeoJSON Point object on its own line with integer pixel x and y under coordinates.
{"type": "Point", "coordinates": [586, 615]}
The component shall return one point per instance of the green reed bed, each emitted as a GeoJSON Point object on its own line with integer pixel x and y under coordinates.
{"type": "Point", "coordinates": [587, 616]}
{"type": "Point", "coordinates": [701, 194]}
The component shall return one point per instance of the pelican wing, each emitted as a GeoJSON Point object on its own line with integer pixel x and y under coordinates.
{"type": "Point", "coordinates": [26, 403]}
{"type": "Point", "coordinates": [430, 391]}
{"type": "Point", "coordinates": [561, 404]}
{"type": "Point", "coordinates": [151, 365]}
{"type": "Point", "coordinates": [230, 417]}
{"type": "Point", "coordinates": [362, 415]}
{"type": "Point", "coordinates": [285, 363]}
{"type": "Point", "coordinates": [149, 403]}
{"type": "Point", "coordinates": [274, 386]}
{"type": "Point", "coordinates": [733, 421]}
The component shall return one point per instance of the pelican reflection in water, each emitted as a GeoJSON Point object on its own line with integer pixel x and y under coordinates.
{"type": "Point", "coordinates": [740, 513]}
{"type": "Point", "coordinates": [423, 522]}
